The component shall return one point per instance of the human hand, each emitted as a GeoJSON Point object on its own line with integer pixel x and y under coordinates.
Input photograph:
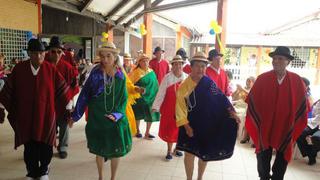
{"type": "Point", "coordinates": [70, 122]}
{"type": "Point", "coordinates": [154, 110]}
{"type": "Point", "coordinates": [189, 130]}
{"type": "Point", "coordinates": [111, 117]}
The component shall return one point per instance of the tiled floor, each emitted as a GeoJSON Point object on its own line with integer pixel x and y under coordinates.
{"type": "Point", "coordinates": [144, 162]}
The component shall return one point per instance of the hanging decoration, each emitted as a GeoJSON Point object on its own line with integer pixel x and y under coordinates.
{"type": "Point", "coordinates": [216, 29]}
{"type": "Point", "coordinates": [104, 37]}
{"type": "Point", "coordinates": [142, 29]}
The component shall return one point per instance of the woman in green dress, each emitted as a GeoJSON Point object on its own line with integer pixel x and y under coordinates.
{"type": "Point", "coordinates": [146, 83]}
{"type": "Point", "coordinates": [105, 95]}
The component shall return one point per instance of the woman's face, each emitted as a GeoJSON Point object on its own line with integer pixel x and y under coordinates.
{"type": "Point", "coordinates": [177, 67]}
{"type": "Point", "coordinates": [144, 63]}
{"type": "Point", "coordinates": [249, 83]}
{"type": "Point", "coordinates": [107, 59]}
{"type": "Point", "coordinates": [198, 69]}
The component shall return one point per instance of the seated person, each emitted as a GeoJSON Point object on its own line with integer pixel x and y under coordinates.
{"type": "Point", "coordinates": [309, 140]}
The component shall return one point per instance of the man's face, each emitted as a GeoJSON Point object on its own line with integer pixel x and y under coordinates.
{"type": "Point", "coordinates": [216, 61]}
{"type": "Point", "coordinates": [158, 54]}
{"type": "Point", "coordinates": [55, 54]}
{"type": "Point", "coordinates": [280, 63]}
{"type": "Point", "coordinates": [37, 56]}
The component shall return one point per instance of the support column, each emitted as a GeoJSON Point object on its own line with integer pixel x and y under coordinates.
{"type": "Point", "coordinates": [126, 42]}
{"type": "Point", "coordinates": [179, 38]}
{"type": "Point", "coordinates": [39, 17]}
{"type": "Point", "coordinates": [147, 39]}
{"type": "Point", "coordinates": [109, 29]}
{"type": "Point", "coordinates": [259, 58]}
{"type": "Point", "coordinates": [317, 79]}
{"type": "Point", "coordinates": [222, 21]}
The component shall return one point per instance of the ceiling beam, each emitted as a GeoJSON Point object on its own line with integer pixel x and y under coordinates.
{"type": "Point", "coordinates": [116, 9]}
{"type": "Point", "coordinates": [62, 5]}
{"type": "Point", "coordinates": [154, 4]}
{"type": "Point", "coordinates": [85, 5]}
{"type": "Point", "coordinates": [131, 10]}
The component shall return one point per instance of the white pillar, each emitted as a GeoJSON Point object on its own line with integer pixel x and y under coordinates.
{"type": "Point", "coordinates": [127, 42]}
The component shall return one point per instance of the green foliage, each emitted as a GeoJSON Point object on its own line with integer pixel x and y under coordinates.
{"type": "Point", "coordinates": [72, 39]}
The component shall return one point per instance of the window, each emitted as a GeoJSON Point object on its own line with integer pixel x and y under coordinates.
{"type": "Point", "coordinates": [13, 43]}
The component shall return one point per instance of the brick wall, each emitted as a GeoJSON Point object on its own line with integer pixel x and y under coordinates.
{"type": "Point", "coordinates": [19, 14]}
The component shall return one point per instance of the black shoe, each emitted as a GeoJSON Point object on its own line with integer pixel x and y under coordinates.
{"type": "Point", "coordinates": [138, 135]}
{"type": "Point", "coordinates": [151, 136]}
{"type": "Point", "coordinates": [105, 159]}
{"type": "Point", "coordinates": [168, 157]}
{"type": "Point", "coordinates": [178, 153]}
{"type": "Point", "coordinates": [312, 161]}
{"type": "Point", "coordinates": [63, 154]}
{"type": "Point", "coordinates": [243, 141]}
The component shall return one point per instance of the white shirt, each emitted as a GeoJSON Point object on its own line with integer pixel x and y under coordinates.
{"type": "Point", "coordinates": [315, 120]}
{"type": "Point", "coordinates": [281, 80]}
{"type": "Point", "coordinates": [34, 71]}
{"type": "Point", "coordinates": [217, 70]}
{"type": "Point", "coordinates": [168, 80]}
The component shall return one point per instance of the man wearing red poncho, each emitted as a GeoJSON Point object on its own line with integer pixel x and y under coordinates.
{"type": "Point", "coordinates": [277, 114]}
{"type": "Point", "coordinates": [33, 95]}
{"type": "Point", "coordinates": [70, 76]}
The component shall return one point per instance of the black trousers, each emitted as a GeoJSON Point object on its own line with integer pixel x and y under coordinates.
{"type": "Point", "coordinates": [37, 157]}
{"type": "Point", "coordinates": [279, 166]}
{"type": "Point", "coordinates": [304, 147]}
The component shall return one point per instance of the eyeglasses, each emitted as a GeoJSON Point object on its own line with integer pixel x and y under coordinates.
{"type": "Point", "coordinates": [56, 52]}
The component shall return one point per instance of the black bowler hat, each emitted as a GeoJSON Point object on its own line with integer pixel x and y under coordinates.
{"type": "Point", "coordinates": [282, 51]}
{"type": "Point", "coordinates": [182, 53]}
{"type": "Point", "coordinates": [55, 42]}
{"type": "Point", "coordinates": [35, 45]}
{"type": "Point", "coordinates": [214, 53]}
{"type": "Point", "coordinates": [158, 48]}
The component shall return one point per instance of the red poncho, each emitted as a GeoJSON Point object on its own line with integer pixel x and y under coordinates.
{"type": "Point", "coordinates": [69, 74]}
{"type": "Point", "coordinates": [32, 102]}
{"type": "Point", "coordinates": [161, 68]}
{"type": "Point", "coordinates": [220, 79]}
{"type": "Point", "coordinates": [277, 114]}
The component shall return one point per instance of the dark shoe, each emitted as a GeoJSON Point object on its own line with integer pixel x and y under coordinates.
{"type": "Point", "coordinates": [138, 135]}
{"type": "Point", "coordinates": [63, 154]}
{"type": "Point", "coordinates": [105, 159]}
{"type": "Point", "coordinates": [312, 161]}
{"type": "Point", "coordinates": [178, 153]}
{"type": "Point", "coordinates": [151, 136]}
{"type": "Point", "coordinates": [2, 115]}
{"type": "Point", "coordinates": [168, 157]}
{"type": "Point", "coordinates": [243, 141]}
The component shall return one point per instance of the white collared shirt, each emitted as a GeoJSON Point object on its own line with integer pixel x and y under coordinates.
{"type": "Point", "coordinates": [34, 70]}
{"type": "Point", "coordinates": [217, 70]}
{"type": "Point", "coordinates": [281, 80]}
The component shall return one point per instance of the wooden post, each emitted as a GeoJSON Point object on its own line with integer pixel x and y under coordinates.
{"type": "Point", "coordinates": [109, 30]}
{"type": "Point", "coordinates": [222, 21]}
{"type": "Point", "coordinates": [39, 17]}
{"type": "Point", "coordinates": [147, 39]}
